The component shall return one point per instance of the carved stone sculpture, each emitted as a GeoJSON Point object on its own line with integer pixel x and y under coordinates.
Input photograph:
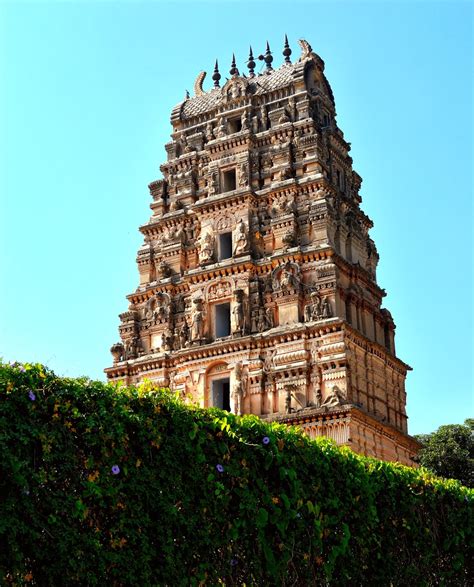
{"type": "Point", "coordinates": [214, 183]}
{"type": "Point", "coordinates": [317, 310]}
{"type": "Point", "coordinates": [241, 240]}
{"type": "Point", "coordinates": [284, 118]}
{"type": "Point", "coordinates": [244, 119]}
{"type": "Point", "coordinates": [237, 390]}
{"type": "Point", "coordinates": [238, 312]}
{"type": "Point", "coordinates": [210, 132]}
{"type": "Point", "coordinates": [289, 239]}
{"type": "Point", "coordinates": [263, 119]}
{"type": "Point", "coordinates": [288, 408]}
{"type": "Point", "coordinates": [288, 279]}
{"type": "Point", "coordinates": [167, 341]}
{"type": "Point", "coordinates": [164, 270]}
{"type": "Point", "coordinates": [317, 397]}
{"type": "Point", "coordinates": [197, 321]}
{"type": "Point", "coordinates": [117, 351]}
{"type": "Point", "coordinates": [269, 318]}
{"type": "Point", "coordinates": [244, 175]}
{"type": "Point", "coordinates": [334, 398]}
{"type": "Point", "coordinates": [183, 335]}
{"type": "Point", "coordinates": [221, 128]}
{"type": "Point", "coordinates": [326, 311]}
{"type": "Point", "coordinates": [133, 348]}
{"type": "Point", "coordinates": [206, 252]}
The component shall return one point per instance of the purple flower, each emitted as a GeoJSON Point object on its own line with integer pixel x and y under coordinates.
{"type": "Point", "coordinates": [21, 369]}
{"type": "Point", "coordinates": [31, 395]}
{"type": "Point", "coordinates": [220, 468]}
{"type": "Point", "coordinates": [115, 470]}
{"type": "Point", "coordinates": [233, 562]}
{"type": "Point", "coordinates": [265, 440]}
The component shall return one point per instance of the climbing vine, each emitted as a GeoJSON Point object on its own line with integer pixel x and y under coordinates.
{"type": "Point", "coordinates": [105, 484]}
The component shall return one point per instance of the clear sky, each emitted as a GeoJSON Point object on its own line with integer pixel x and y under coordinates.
{"type": "Point", "coordinates": [86, 94]}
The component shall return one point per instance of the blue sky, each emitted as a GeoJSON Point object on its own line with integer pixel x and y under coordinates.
{"type": "Point", "coordinates": [87, 91]}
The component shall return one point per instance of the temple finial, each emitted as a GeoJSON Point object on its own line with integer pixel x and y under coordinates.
{"type": "Point", "coordinates": [251, 63]}
{"type": "Point", "coordinates": [287, 51]}
{"type": "Point", "coordinates": [268, 58]}
{"type": "Point", "coordinates": [233, 69]}
{"type": "Point", "coordinates": [186, 95]}
{"type": "Point", "coordinates": [216, 76]}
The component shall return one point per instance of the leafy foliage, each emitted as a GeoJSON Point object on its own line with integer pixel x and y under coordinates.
{"type": "Point", "coordinates": [449, 452]}
{"type": "Point", "coordinates": [128, 486]}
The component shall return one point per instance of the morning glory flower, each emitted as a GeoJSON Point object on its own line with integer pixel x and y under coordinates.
{"type": "Point", "coordinates": [31, 395]}
{"type": "Point", "coordinates": [115, 470]}
{"type": "Point", "coordinates": [220, 468]}
{"type": "Point", "coordinates": [265, 440]}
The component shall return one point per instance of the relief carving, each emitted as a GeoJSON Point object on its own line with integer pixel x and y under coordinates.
{"type": "Point", "coordinates": [317, 309]}
{"type": "Point", "coordinates": [197, 322]}
{"type": "Point", "coordinates": [240, 239]}
{"type": "Point", "coordinates": [238, 313]}
{"type": "Point", "coordinates": [222, 289]}
{"type": "Point", "coordinates": [334, 398]}
{"type": "Point", "coordinates": [206, 251]}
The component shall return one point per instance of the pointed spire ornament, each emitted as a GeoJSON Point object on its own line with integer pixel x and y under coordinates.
{"type": "Point", "coordinates": [287, 51]}
{"type": "Point", "coordinates": [251, 63]}
{"type": "Point", "coordinates": [216, 76]}
{"type": "Point", "coordinates": [233, 69]}
{"type": "Point", "coordinates": [268, 58]}
{"type": "Point", "coordinates": [186, 95]}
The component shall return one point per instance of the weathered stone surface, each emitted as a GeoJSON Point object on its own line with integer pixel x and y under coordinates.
{"type": "Point", "coordinates": [258, 288]}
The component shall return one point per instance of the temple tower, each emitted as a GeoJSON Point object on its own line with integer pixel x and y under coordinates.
{"type": "Point", "coordinates": [258, 290]}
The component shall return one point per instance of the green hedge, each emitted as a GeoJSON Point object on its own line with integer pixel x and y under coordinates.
{"type": "Point", "coordinates": [107, 485]}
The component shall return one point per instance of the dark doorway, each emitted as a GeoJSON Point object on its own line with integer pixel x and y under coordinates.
{"type": "Point", "coordinates": [221, 394]}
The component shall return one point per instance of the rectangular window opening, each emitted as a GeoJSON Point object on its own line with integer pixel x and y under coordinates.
{"type": "Point", "coordinates": [222, 320]}
{"type": "Point", "coordinates": [224, 246]}
{"type": "Point", "coordinates": [234, 125]}
{"type": "Point", "coordinates": [229, 180]}
{"type": "Point", "coordinates": [221, 394]}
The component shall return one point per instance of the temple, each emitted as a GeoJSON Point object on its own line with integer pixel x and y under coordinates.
{"type": "Point", "coordinates": [258, 290]}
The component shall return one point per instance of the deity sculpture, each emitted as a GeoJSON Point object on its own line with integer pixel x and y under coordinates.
{"type": "Point", "coordinates": [288, 408]}
{"type": "Point", "coordinates": [241, 240]}
{"type": "Point", "coordinates": [221, 128]}
{"type": "Point", "coordinates": [117, 351]}
{"type": "Point", "coordinates": [334, 398]}
{"type": "Point", "coordinates": [133, 348]}
{"type": "Point", "coordinates": [214, 183]}
{"type": "Point", "coordinates": [244, 119]}
{"type": "Point", "coordinates": [238, 312]}
{"type": "Point", "coordinates": [183, 335]}
{"type": "Point", "coordinates": [244, 175]}
{"type": "Point", "coordinates": [326, 311]}
{"type": "Point", "coordinates": [269, 318]}
{"type": "Point", "coordinates": [197, 321]}
{"type": "Point", "coordinates": [209, 131]}
{"type": "Point", "coordinates": [167, 340]}
{"type": "Point", "coordinates": [288, 279]}
{"type": "Point", "coordinates": [237, 390]}
{"type": "Point", "coordinates": [164, 270]}
{"type": "Point", "coordinates": [284, 117]}
{"type": "Point", "coordinates": [288, 238]}
{"type": "Point", "coordinates": [206, 252]}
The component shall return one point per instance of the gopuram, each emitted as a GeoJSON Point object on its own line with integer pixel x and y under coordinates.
{"type": "Point", "coordinates": [258, 290]}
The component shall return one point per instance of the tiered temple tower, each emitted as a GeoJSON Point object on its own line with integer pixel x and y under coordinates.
{"type": "Point", "coordinates": [258, 289]}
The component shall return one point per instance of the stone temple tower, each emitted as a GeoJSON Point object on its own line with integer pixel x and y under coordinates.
{"type": "Point", "coordinates": [258, 289]}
